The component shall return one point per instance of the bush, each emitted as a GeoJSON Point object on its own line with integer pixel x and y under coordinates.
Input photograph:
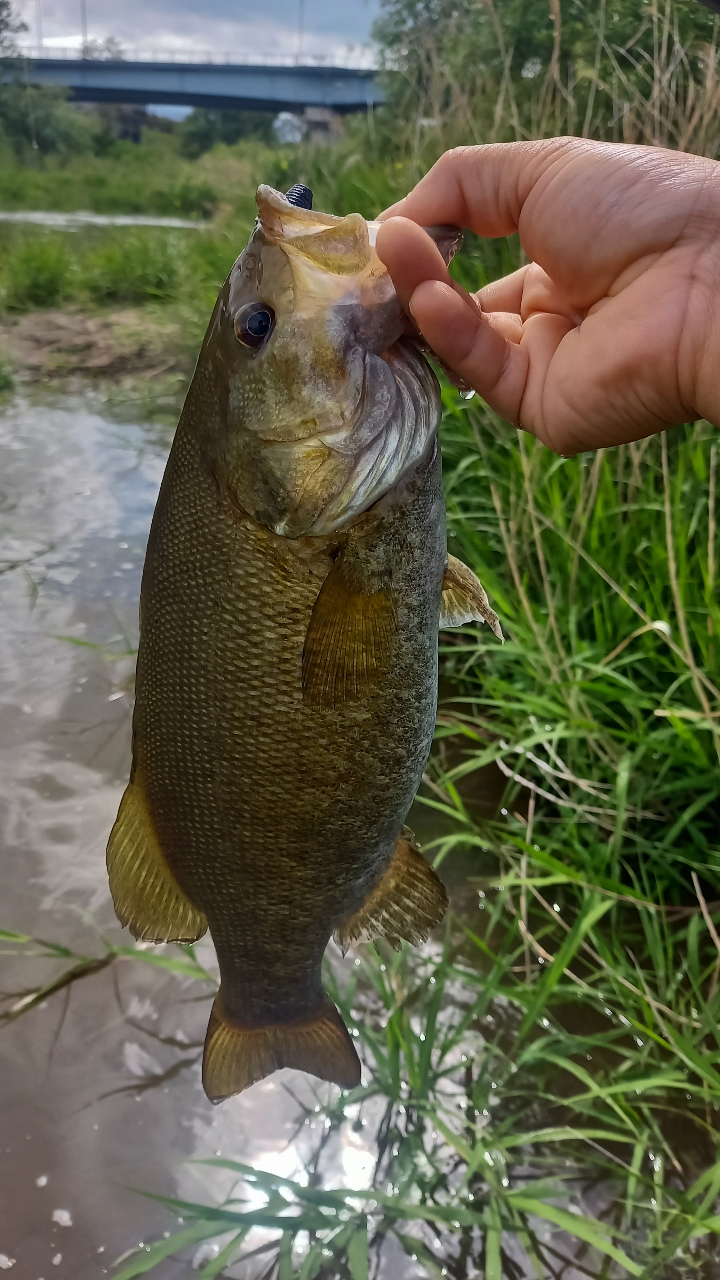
{"type": "Point", "coordinates": [134, 268]}
{"type": "Point", "coordinates": [204, 128]}
{"type": "Point", "coordinates": [189, 198]}
{"type": "Point", "coordinates": [36, 273]}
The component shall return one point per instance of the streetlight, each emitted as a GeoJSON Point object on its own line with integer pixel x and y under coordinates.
{"type": "Point", "coordinates": [83, 27]}
{"type": "Point", "coordinates": [38, 23]}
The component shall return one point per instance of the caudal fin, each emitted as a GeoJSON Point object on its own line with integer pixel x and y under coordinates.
{"type": "Point", "coordinates": [235, 1056]}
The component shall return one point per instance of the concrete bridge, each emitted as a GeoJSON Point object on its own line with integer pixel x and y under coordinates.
{"type": "Point", "coordinates": [235, 86]}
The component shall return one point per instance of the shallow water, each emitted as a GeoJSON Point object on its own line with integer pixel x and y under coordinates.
{"type": "Point", "coordinates": [76, 221]}
{"type": "Point", "coordinates": [76, 497]}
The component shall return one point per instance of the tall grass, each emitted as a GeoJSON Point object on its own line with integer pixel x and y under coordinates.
{"type": "Point", "coordinates": [101, 267]}
{"type": "Point", "coordinates": [150, 178]}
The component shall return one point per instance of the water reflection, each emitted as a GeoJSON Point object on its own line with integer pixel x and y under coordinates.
{"type": "Point", "coordinates": [80, 1124]}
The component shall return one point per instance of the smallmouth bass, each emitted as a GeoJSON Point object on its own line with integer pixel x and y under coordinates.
{"type": "Point", "coordinates": [295, 579]}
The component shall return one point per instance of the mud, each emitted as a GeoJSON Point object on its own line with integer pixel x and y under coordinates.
{"type": "Point", "coordinates": [50, 346]}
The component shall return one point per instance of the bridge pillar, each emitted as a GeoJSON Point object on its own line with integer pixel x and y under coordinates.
{"type": "Point", "coordinates": [323, 125]}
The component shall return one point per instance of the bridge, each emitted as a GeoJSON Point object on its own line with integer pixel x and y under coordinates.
{"type": "Point", "coordinates": [229, 85]}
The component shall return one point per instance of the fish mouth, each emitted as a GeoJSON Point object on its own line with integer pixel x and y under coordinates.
{"type": "Point", "coordinates": [342, 289]}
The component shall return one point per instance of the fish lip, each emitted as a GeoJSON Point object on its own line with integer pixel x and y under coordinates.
{"type": "Point", "coordinates": [284, 221]}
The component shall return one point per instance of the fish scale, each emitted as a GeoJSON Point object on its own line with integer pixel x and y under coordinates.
{"type": "Point", "coordinates": [259, 775]}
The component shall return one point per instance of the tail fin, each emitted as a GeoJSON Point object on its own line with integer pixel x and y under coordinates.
{"type": "Point", "coordinates": [235, 1057]}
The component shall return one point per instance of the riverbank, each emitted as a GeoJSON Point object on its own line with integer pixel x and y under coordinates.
{"type": "Point", "coordinates": [51, 346]}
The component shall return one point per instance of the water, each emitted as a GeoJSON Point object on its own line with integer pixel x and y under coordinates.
{"type": "Point", "coordinates": [76, 221]}
{"type": "Point", "coordinates": [76, 498]}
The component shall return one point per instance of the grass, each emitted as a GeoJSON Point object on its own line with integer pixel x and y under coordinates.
{"type": "Point", "coordinates": [543, 1081]}
{"type": "Point", "coordinates": [174, 274]}
{"type": "Point", "coordinates": [150, 178]}
{"type": "Point", "coordinates": [100, 267]}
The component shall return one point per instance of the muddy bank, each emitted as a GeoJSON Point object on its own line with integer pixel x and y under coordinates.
{"type": "Point", "coordinates": [120, 346]}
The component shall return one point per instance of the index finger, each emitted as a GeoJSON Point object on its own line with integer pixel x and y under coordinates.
{"type": "Point", "coordinates": [482, 188]}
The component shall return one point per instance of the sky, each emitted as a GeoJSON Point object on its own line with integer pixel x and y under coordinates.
{"type": "Point", "coordinates": [333, 29]}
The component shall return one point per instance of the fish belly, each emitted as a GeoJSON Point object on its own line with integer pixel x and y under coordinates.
{"type": "Point", "coordinates": [275, 817]}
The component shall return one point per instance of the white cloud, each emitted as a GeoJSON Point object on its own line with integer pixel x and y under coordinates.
{"type": "Point", "coordinates": [219, 26]}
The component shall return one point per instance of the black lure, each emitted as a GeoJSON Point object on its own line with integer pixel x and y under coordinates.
{"type": "Point", "coordinates": [300, 196]}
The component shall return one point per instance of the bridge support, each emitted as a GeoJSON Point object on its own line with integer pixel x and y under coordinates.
{"type": "Point", "coordinates": [323, 125]}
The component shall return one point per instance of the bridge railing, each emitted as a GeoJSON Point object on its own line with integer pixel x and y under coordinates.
{"type": "Point", "coordinates": [362, 58]}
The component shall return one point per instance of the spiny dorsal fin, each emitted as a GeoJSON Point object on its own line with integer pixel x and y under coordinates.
{"type": "Point", "coordinates": [406, 903]}
{"type": "Point", "coordinates": [348, 640]}
{"type": "Point", "coordinates": [235, 1057]}
{"type": "Point", "coordinates": [464, 599]}
{"type": "Point", "coordinates": [146, 895]}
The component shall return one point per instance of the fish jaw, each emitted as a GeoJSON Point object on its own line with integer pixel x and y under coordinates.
{"type": "Point", "coordinates": [329, 413]}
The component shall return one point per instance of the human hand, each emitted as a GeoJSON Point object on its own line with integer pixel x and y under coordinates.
{"type": "Point", "coordinates": [612, 332]}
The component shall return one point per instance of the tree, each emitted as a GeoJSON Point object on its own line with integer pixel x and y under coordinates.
{"type": "Point", "coordinates": [639, 70]}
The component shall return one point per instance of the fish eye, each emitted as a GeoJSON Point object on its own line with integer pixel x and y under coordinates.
{"type": "Point", "coordinates": [253, 324]}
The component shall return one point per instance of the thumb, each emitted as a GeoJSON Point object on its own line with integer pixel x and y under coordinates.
{"type": "Point", "coordinates": [465, 340]}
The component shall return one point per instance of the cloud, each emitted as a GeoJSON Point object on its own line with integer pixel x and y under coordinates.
{"type": "Point", "coordinates": [224, 27]}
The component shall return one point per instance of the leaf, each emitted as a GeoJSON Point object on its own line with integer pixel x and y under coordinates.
{"type": "Point", "coordinates": [357, 1251]}
{"type": "Point", "coordinates": [185, 968]}
{"type": "Point", "coordinates": [149, 1258]}
{"type": "Point", "coordinates": [587, 1229]}
{"type": "Point", "coordinates": [570, 945]}
{"type": "Point", "coordinates": [415, 1248]}
{"type": "Point", "coordinates": [493, 1242]}
{"type": "Point", "coordinates": [215, 1265]}
{"type": "Point", "coordinates": [285, 1269]}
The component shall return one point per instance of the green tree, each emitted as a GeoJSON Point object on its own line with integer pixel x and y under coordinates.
{"type": "Point", "coordinates": [204, 128]}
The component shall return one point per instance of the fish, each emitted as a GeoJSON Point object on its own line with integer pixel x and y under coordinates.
{"type": "Point", "coordinates": [295, 579]}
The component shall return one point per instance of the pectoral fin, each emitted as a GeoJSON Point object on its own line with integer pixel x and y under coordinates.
{"type": "Point", "coordinates": [464, 599]}
{"type": "Point", "coordinates": [235, 1057]}
{"type": "Point", "coordinates": [348, 641]}
{"type": "Point", "coordinates": [146, 895]}
{"type": "Point", "coordinates": [406, 903]}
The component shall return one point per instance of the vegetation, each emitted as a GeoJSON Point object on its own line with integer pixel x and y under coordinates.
{"type": "Point", "coordinates": [127, 178]}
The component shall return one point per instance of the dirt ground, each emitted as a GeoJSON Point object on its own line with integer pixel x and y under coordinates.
{"type": "Point", "coordinates": [44, 346]}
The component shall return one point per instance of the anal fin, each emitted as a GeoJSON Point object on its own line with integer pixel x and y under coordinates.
{"type": "Point", "coordinates": [348, 641]}
{"type": "Point", "coordinates": [145, 893]}
{"type": "Point", "coordinates": [237, 1056]}
{"type": "Point", "coordinates": [464, 599]}
{"type": "Point", "coordinates": [405, 904]}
